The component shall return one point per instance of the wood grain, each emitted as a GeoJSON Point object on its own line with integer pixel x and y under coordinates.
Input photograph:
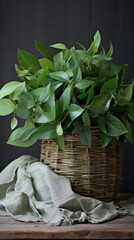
{"type": "Point", "coordinates": [119, 228]}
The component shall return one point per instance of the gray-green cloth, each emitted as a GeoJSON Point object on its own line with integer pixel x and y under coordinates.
{"type": "Point", "coordinates": [30, 191]}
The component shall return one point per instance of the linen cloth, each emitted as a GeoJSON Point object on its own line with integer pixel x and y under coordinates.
{"type": "Point", "coordinates": [30, 191]}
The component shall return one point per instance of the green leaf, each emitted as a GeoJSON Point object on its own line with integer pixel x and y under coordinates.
{"type": "Point", "coordinates": [10, 87]}
{"type": "Point", "coordinates": [14, 123]}
{"type": "Point", "coordinates": [58, 61]}
{"type": "Point", "coordinates": [46, 63]}
{"type": "Point", "coordinates": [59, 110]}
{"type": "Point", "coordinates": [47, 131]}
{"type": "Point", "coordinates": [50, 106]}
{"type": "Point", "coordinates": [22, 112]}
{"type": "Point", "coordinates": [78, 123]}
{"type": "Point", "coordinates": [22, 133]}
{"type": "Point", "coordinates": [110, 52]}
{"type": "Point", "coordinates": [85, 136]}
{"type": "Point", "coordinates": [16, 140]}
{"type": "Point", "coordinates": [56, 85]}
{"type": "Point", "coordinates": [111, 125]}
{"type": "Point", "coordinates": [29, 124]}
{"type": "Point", "coordinates": [44, 117]}
{"type": "Point", "coordinates": [42, 77]}
{"type": "Point", "coordinates": [90, 95]}
{"type": "Point", "coordinates": [43, 50]}
{"type": "Point", "coordinates": [41, 116]}
{"type": "Point", "coordinates": [43, 93]}
{"type": "Point", "coordinates": [83, 84]}
{"type": "Point", "coordinates": [59, 129]}
{"type": "Point", "coordinates": [28, 60]}
{"type": "Point", "coordinates": [74, 111]}
{"type": "Point", "coordinates": [126, 96]}
{"type": "Point", "coordinates": [82, 95]}
{"type": "Point", "coordinates": [130, 134]}
{"type": "Point", "coordinates": [23, 73]}
{"type": "Point", "coordinates": [97, 39]}
{"type": "Point", "coordinates": [104, 139]}
{"type": "Point", "coordinates": [65, 97]}
{"type": "Point", "coordinates": [32, 79]}
{"type": "Point", "coordinates": [123, 102]}
{"type": "Point", "coordinates": [27, 133]}
{"type": "Point", "coordinates": [96, 43]}
{"type": "Point", "coordinates": [60, 76]}
{"type": "Point", "coordinates": [128, 92]}
{"type": "Point", "coordinates": [21, 88]}
{"type": "Point", "coordinates": [26, 100]}
{"type": "Point", "coordinates": [130, 112]}
{"type": "Point", "coordinates": [59, 140]}
{"type": "Point", "coordinates": [101, 123]}
{"type": "Point", "coordinates": [100, 104]}
{"type": "Point", "coordinates": [19, 143]}
{"type": "Point", "coordinates": [121, 74]}
{"type": "Point", "coordinates": [67, 123]}
{"type": "Point", "coordinates": [16, 134]}
{"type": "Point", "coordinates": [109, 86]}
{"type": "Point", "coordinates": [77, 75]}
{"type": "Point", "coordinates": [18, 69]}
{"type": "Point", "coordinates": [86, 119]}
{"type": "Point", "coordinates": [6, 106]}
{"type": "Point", "coordinates": [59, 46]}
{"type": "Point", "coordinates": [25, 137]}
{"type": "Point", "coordinates": [82, 47]}
{"type": "Point", "coordinates": [99, 58]}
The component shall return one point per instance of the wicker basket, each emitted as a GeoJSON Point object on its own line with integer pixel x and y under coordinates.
{"type": "Point", "coordinates": [94, 172]}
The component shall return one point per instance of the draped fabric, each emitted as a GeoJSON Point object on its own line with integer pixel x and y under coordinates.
{"type": "Point", "coordinates": [30, 191]}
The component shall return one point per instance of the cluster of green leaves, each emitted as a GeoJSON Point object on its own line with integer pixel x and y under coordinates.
{"type": "Point", "coordinates": [74, 89]}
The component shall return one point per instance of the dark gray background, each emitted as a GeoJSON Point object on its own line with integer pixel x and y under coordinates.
{"type": "Point", "coordinates": [69, 21]}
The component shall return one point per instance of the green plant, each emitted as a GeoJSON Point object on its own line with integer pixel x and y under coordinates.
{"type": "Point", "coordinates": [74, 89]}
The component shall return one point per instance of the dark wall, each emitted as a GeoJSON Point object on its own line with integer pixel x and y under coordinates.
{"type": "Point", "coordinates": [70, 21]}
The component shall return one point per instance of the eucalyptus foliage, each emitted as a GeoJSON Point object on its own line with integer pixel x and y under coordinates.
{"type": "Point", "coordinates": [75, 89]}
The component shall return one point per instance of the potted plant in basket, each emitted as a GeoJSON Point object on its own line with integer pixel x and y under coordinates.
{"type": "Point", "coordinates": [76, 89]}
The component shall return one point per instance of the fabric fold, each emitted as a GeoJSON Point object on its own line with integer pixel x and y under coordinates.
{"type": "Point", "coordinates": [30, 191]}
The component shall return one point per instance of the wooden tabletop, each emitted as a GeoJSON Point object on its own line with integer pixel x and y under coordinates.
{"type": "Point", "coordinates": [119, 228]}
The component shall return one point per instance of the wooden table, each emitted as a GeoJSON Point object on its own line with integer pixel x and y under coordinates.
{"type": "Point", "coordinates": [119, 228]}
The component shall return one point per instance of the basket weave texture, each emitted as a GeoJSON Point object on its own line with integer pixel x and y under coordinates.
{"type": "Point", "coordinates": [94, 172]}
